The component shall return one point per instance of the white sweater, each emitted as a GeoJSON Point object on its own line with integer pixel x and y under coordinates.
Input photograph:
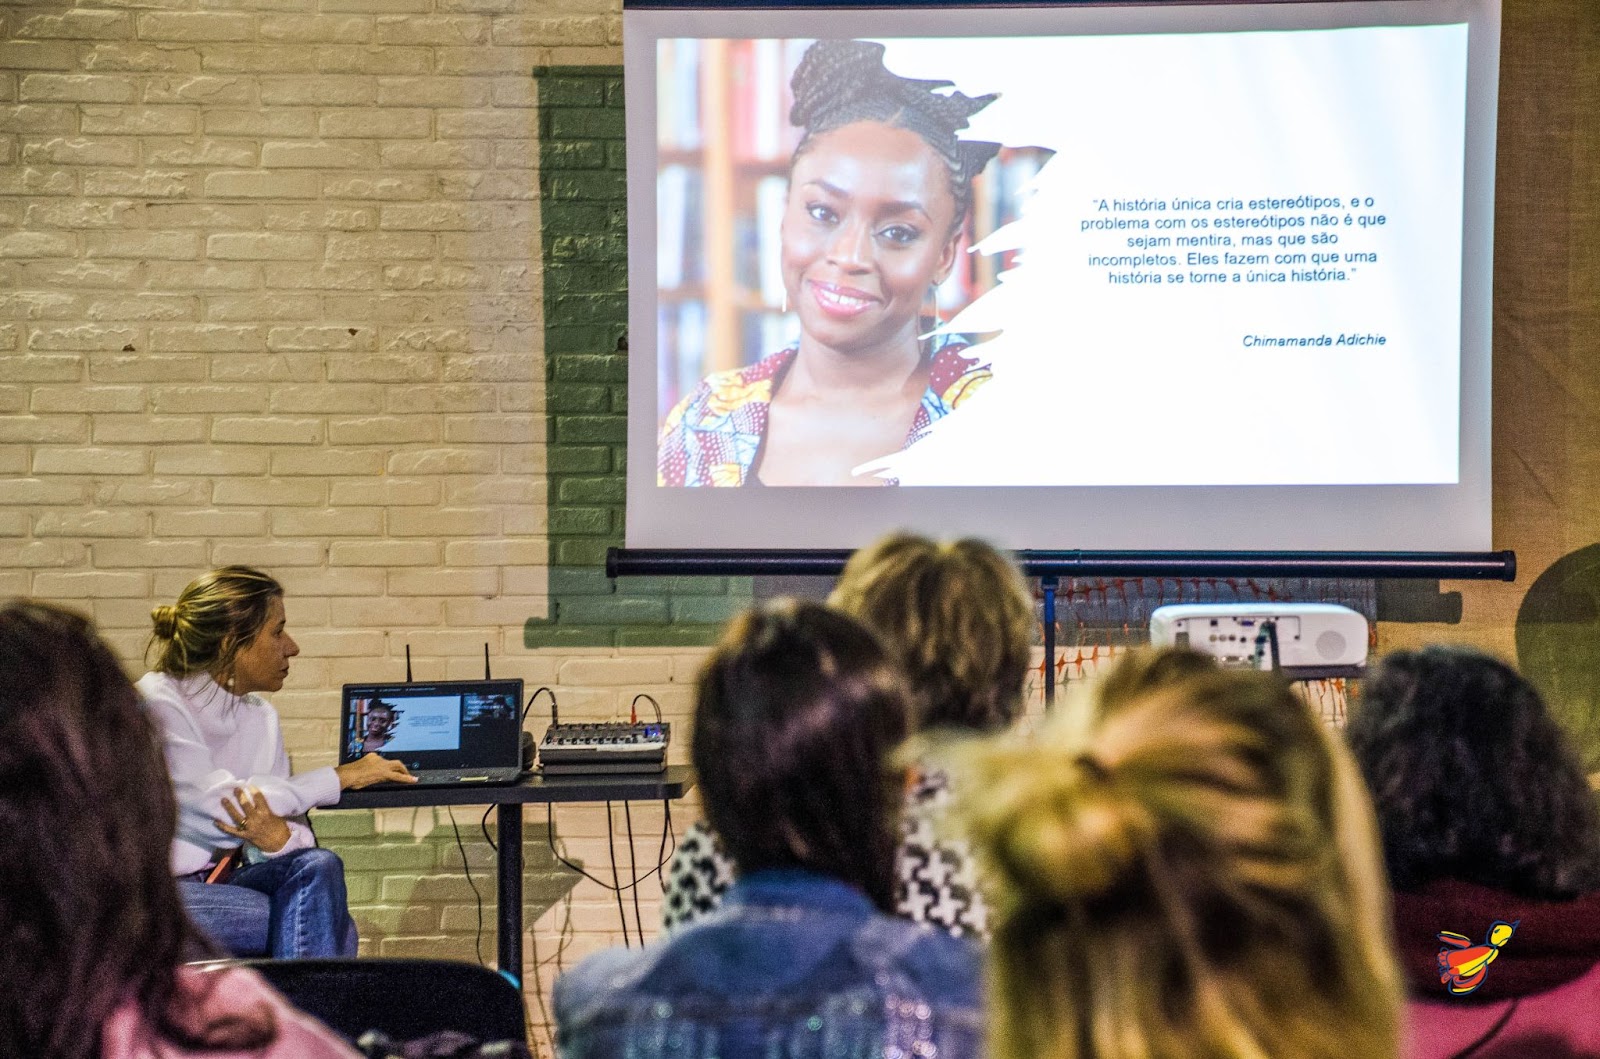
{"type": "Point", "coordinates": [215, 741]}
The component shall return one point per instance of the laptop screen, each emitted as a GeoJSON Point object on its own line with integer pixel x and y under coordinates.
{"type": "Point", "coordinates": [442, 725]}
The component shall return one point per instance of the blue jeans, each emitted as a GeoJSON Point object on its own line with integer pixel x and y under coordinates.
{"type": "Point", "coordinates": [287, 907]}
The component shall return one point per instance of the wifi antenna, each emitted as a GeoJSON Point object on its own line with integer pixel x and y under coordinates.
{"type": "Point", "coordinates": [486, 660]}
{"type": "Point", "coordinates": [408, 663]}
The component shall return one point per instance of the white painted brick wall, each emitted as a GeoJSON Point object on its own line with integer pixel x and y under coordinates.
{"type": "Point", "coordinates": [269, 293]}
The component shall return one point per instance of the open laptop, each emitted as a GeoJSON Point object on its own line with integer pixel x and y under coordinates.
{"type": "Point", "coordinates": [452, 733]}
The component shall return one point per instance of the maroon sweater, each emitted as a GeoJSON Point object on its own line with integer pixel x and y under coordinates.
{"type": "Point", "coordinates": [1541, 995]}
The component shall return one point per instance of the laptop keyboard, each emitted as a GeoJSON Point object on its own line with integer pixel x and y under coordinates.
{"type": "Point", "coordinates": [455, 778]}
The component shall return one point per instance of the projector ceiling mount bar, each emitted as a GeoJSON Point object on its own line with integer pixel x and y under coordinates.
{"type": "Point", "coordinates": [1448, 566]}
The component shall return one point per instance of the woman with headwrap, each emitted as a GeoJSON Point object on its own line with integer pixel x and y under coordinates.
{"type": "Point", "coordinates": [879, 188]}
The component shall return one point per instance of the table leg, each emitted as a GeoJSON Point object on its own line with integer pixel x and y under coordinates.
{"type": "Point", "coordinates": [508, 821]}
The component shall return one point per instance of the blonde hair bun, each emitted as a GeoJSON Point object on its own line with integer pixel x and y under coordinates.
{"type": "Point", "coordinates": [165, 618]}
{"type": "Point", "coordinates": [219, 613]}
{"type": "Point", "coordinates": [1185, 866]}
{"type": "Point", "coordinates": [1072, 837]}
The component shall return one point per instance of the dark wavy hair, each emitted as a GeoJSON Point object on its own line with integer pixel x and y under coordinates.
{"type": "Point", "coordinates": [839, 82]}
{"type": "Point", "coordinates": [1472, 778]}
{"type": "Point", "coordinates": [89, 909]}
{"type": "Point", "coordinates": [798, 711]}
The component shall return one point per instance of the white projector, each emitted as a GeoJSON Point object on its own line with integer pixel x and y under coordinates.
{"type": "Point", "coordinates": [1313, 639]}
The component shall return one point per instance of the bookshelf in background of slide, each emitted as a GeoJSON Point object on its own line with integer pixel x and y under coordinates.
{"type": "Point", "coordinates": [723, 141]}
{"type": "Point", "coordinates": [678, 95]}
{"type": "Point", "coordinates": [996, 198]}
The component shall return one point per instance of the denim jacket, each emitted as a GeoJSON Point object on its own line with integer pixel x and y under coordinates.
{"type": "Point", "coordinates": [792, 966]}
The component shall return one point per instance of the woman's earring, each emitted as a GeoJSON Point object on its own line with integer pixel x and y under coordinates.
{"type": "Point", "coordinates": [785, 299]}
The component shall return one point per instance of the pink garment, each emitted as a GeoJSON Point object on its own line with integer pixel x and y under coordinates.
{"type": "Point", "coordinates": [1540, 998]}
{"type": "Point", "coordinates": [1559, 1023]}
{"type": "Point", "coordinates": [221, 992]}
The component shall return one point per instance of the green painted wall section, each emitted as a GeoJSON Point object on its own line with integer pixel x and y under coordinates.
{"type": "Point", "coordinates": [583, 207]}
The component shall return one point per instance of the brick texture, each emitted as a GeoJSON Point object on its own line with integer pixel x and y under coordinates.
{"type": "Point", "coordinates": [271, 291]}
{"type": "Point", "coordinates": [289, 283]}
{"type": "Point", "coordinates": [586, 372]}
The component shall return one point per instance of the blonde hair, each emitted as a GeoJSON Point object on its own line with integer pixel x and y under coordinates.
{"type": "Point", "coordinates": [957, 616]}
{"type": "Point", "coordinates": [1196, 875]}
{"type": "Point", "coordinates": [215, 617]}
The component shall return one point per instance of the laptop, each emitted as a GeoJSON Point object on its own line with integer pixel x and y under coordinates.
{"type": "Point", "coordinates": [455, 733]}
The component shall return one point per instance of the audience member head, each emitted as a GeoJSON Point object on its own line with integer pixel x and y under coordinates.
{"type": "Point", "coordinates": [89, 909]}
{"type": "Point", "coordinates": [1192, 873]}
{"type": "Point", "coordinates": [1472, 778]}
{"type": "Point", "coordinates": [798, 710]}
{"type": "Point", "coordinates": [957, 616]}
{"type": "Point", "coordinates": [216, 618]}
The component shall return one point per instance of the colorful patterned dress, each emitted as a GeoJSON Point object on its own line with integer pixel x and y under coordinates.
{"type": "Point", "coordinates": [714, 435]}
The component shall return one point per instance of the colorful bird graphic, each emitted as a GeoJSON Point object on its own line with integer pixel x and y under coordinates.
{"type": "Point", "coordinates": [1462, 965]}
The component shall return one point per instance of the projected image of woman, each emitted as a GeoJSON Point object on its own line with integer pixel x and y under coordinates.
{"type": "Point", "coordinates": [879, 188]}
{"type": "Point", "coordinates": [382, 718]}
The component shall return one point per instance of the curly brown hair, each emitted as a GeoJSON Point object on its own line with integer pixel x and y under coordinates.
{"type": "Point", "coordinates": [1472, 778]}
{"type": "Point", "coordinates": [959, 618]}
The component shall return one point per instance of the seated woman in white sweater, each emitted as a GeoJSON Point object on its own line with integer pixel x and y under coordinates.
{"type": "Point", "coordinates": [248, 866]}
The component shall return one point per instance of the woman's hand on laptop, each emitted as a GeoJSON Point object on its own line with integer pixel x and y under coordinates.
{"type": "Point", "coordinates": [372, 768]}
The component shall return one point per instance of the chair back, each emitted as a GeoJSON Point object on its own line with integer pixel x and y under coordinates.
{"type": "Point", "coordinates": [404, 999]}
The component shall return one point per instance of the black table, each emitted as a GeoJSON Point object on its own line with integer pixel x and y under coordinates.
{"type": "Point", "coordinates": [508, 802]}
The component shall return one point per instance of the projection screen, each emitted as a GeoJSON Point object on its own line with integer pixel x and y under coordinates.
{"type": "Point", "coordinates": [1195, 277]}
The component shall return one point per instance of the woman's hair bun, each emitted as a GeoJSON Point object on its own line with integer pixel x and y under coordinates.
{"type": "Point", "coordinates": [1073, 836]}
{"type": "Point", "coordinates": [165, 619]}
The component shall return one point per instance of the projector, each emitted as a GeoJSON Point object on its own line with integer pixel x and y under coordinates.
{"type": "Point", "coordinates": [1315, 640]}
